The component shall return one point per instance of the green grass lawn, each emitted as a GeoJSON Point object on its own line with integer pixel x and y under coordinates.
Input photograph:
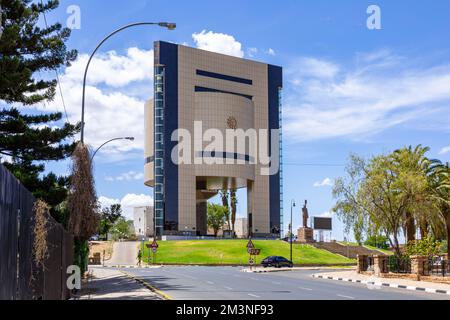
{"type": "Point", "coordinates": [346, 243]}
{"type": "Point", "coordinates": [235, 252]}
{"type": "Point", "coordinates": [388, 252]}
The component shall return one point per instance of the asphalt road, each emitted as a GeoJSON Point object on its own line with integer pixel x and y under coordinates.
{"type": "Point", "coordinates": [124, 253]}
{"type": "Point", "coordinates": [223, 283]}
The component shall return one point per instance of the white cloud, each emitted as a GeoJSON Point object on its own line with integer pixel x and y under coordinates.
{"type": "Point", "coordinates": [270, 52]}
{"type": "Point", "coordinates": [128, 202]}
{"type": "Point", "coordinates": [327, 182]}
{"type": "Point", "coordinates": [251, 52]}
{"type": "Point", "coordinates": [126, 176]}
{"type": "Point", "coordinates": [218, 42]}
{"type": "Point", "coordinates": [327, 100]}
{"type": "Point", "coordinates": [305, 67]}
{"type": "Point", "coordinates": [445, 150]}
{"type": "Point", "coordinates": [109, 113]}
{"type": "Point", "coordinates": [113, 69]}
{"type": "Point", "coordinates": [107, 202]}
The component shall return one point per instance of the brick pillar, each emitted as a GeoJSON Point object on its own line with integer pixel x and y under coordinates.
{"type": "Point", "coordinates": [380, 264]}
{"type": "Point", "coordinates": [418, 265]}
{"type": "Point", "coordinates": [361, 263]}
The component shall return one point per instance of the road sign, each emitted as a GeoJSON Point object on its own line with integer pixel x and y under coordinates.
{"type": "Point", "coordinates": [148, 245]}
{"type": "Point", "coordinates": [250, 261]}
{"type": "Point", "coordinates": [154, 244]}
{"type": "Point", "coordinates": [154, 249]}
{"type": "Point", "coordinates": [254, 252]}
{"type": "Point", "coordinates": [250, 245]}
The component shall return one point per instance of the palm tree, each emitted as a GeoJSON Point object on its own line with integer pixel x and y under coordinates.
{"type": "Point", "coordinates": [414, 170]}
{"type": "Point", "coordinates": [224, 196]}
{"type": "Point", "coordinates": [233, 201]}
{"type": "Point", "coordinates": [440, 193]}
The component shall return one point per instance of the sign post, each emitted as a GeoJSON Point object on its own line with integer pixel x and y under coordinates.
{"type": "Point", "coordinates": [154, 247]}
{"type": "Point", "coordinates": [253, 252]}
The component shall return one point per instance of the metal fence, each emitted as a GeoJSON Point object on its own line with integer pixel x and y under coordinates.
{"type": "Point", "coordinates": [20, 277]}
{"type": "Point", "coordinates": [436, 266]}
{"type": "Point", "coordinates": [399, 264]}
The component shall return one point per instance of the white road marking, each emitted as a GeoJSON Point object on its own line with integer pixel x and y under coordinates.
{"type": "Point", "coordinates": [253, 295]}
{"type": "Point", "coordinates": [343, 296]}
{"type": "Point", "coordinates": [254, 279]}
{"type": "Point", "coordinates": [210, 282]}
{"type": "Point", "coordinates": [228, 288]}
{"type": "Point", "coordinates": [275, 282]}
{"type": "Point", "coordinates": [307, 289]}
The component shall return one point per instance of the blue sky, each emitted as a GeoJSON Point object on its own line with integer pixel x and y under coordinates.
{"type": "Point", "coordinates": [347, 88]}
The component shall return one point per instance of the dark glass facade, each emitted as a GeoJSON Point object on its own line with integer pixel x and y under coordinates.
{"type": "Point", "coordinates": [158, 192]}
{"type": "Point", "coordinates": [166, 55]}
{"type": "Point", "coordinates": [275, 81]}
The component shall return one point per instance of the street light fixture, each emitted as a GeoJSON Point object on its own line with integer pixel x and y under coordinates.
{"type": "Point", "coordinates": [122, 138]}
{"type": "Point", "coordinates": [290, 227]}
{"type": "Point", "coordinates": [168, 25]}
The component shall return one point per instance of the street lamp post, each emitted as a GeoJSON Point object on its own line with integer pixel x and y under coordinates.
{"type": "Point", "coordinates": [168, 25]}
{"type": "Point", "coordinates": [290, 227]}
{"type": "Point", "coordinates": [121, 138]}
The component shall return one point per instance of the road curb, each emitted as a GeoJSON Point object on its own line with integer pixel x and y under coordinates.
{"type": "Point", "coordinates": [384, 284]}
{"type": "Point", "coordinates": [287, 269]}
{"type": "Point", "coordinates": [122, 266]}
{"type": "Point", "coordinates": [262, 271]}
{"type": "Point", "coordinates": [147, 285]}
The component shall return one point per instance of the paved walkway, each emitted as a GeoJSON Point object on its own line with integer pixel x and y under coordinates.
{"type": "Point", "coordinates": [109, 284]}
{"type": "Point", "coordinates": [352, 275]}
{"type": "Point", "coordinates": [124, 253]}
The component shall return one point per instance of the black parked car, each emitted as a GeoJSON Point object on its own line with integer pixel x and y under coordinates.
{"type": "Point", "coordinates": [277, 262]}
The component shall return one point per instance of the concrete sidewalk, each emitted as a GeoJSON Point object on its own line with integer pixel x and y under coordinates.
{"type": "Point", "coordinates": [110, 284]}
{"type": "Point", "coordinates": [375, 282]}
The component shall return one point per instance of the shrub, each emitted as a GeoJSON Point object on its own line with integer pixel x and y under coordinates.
{"type": "Point", "coordinates": [424, 247]}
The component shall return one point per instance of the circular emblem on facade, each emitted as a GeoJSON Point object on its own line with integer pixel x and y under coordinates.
{"type": "Point", "coordinates": [232, 122]}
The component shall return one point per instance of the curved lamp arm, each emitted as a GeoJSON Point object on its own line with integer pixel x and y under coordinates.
{"type": "Point", "coordinates": [168, 25]}
{"type": "Point", "coordinates": [124, 138]}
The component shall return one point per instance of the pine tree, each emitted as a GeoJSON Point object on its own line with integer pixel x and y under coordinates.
{"type": "Point", "coordinates": [27, 141]}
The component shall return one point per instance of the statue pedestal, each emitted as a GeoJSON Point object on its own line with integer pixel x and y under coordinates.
{"type": "Point", "coordinates": [305, 235]}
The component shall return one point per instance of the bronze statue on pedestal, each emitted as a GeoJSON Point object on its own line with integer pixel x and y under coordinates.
{"type": "Point", "coordinates": [305, 215]}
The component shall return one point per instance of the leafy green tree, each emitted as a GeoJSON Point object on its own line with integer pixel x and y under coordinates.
{"type": "Point", "coordinates": [122, 229]}
{"type": "Point", "coordinates": [108, 218]}
{"type": "Point", "coordinates": [381, 196]}
{"type": "Point", "coordinates": [403, 190]}
{"type": "Point", "coordinates": [217, 215]}
{"type": "Point", "coordinates": [348, 206]}
{"type": "Point", "coordinates": [26, 141]}
{"type": "Point", "coordinates": [377, 241]}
